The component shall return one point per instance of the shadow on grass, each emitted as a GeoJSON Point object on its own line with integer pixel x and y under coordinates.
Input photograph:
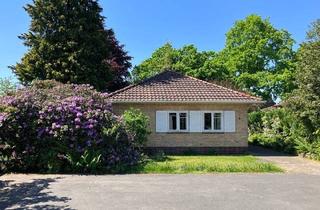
{"type": "Point", "coordinates": [256, 150]}
{"type": "Point", "coordinates": [30, 195]}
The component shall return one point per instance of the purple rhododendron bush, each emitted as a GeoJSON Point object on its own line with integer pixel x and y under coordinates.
{"type": "Point", "coordinates": [51, 127]}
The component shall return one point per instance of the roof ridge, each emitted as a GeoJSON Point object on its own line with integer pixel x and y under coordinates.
{"type": "Point", "coordinates": [168, 73]}
{"type": "Point", "coordinates": [138, 83]}
{"type": "Point", "coordinates": [220, 86]}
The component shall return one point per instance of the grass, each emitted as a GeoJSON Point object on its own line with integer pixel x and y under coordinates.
{"type": "Point", "coordinates": [205, 164]}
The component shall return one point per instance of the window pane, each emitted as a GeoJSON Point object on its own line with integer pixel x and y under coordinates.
{"type": "Point", "coordinates": [172, 121]}
{"type": "Point", "coordinates": [183, 121]}
{"type": "Point", "coordinates": [217, 121]}
{"type": "Point", "coordinates": [207, 121]}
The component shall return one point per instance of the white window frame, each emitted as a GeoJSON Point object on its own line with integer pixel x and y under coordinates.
{"type": "Point", "coordinates": [212, 122]}
{"type": "Point", "coordinates": [178, 121]}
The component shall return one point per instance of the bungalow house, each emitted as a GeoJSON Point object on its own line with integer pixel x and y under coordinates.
{"type": "Point", "coordinates": [189, 114]}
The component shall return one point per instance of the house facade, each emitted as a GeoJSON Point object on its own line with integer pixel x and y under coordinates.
{"type": "Point", "coordinates": [189, 114]}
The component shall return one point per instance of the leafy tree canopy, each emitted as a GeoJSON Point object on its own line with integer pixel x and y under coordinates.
{"type": "Point", "coordinates": [260, 57]}
{"type": "Point", "coordinates": [68, 42]}
{"type": "Point", "coordinates": [305, 100]}
{"type": "Point", "coordinates": [7, 86]}
{"type": "Point", "coordinates": [257, 58]}
{"type": "Point", "coordinates": [187, 60]}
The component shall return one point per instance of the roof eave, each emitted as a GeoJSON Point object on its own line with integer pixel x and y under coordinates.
{"type": "Point", "coordinates": [194, 102]}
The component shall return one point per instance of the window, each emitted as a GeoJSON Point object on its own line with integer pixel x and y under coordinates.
{"type": "Point", "coordinates": [173, 121]}
{"type": "Point", "coordinates": [217, 121]}
{"type": "Point", "coordinates": [195, 121]}
{"type": "Point", "coordinates": [207, 121]}
{"type": "Point", "coordinates": [212, 121]}
{"type": "Point", "coordinates": [183, 121]}
{"type": "Point", "coordinates": [178, 121]}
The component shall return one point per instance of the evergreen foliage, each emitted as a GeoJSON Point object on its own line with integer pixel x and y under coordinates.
{"type": "Point", "coordinates": [68, 42]}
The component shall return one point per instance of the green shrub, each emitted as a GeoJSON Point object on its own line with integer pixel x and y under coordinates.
{"type": "Point", "coordinates": [308, 149]}
{"type": "Point", "coordinates": [255, 121]}
{"type": "Point", "coordinates": [279, 129]}
{"type": "Point", "coordinates": [274, 128]}
{"type": "Point", "coordinates": [137, 125]}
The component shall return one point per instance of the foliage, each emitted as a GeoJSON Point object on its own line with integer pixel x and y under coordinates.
{"type": "Point", "coordinates": [255, 121]}
{"type": "Point", "coordinates": [6, 86]}
{"type": "Point", "coordinates": [90, 160]}
{"type": "Point", "coordinates": [137, 124]}
{"type": "Point", "coordinates": [307, 149]}
{"type": "Point", "coordinates": [160, 60]}
{"type": "Point", "coordinates": [257, 58]}
{"type": "Point", "coordinates": [260, 57]}
{"type": "Point", "coordinates": [51, 127]}
{"type": "Point", "coordinates": [274, 128]}
{"type": "Point", "coordinates": [313, 34]}
{"type": "Point", "coordinates": [280, 129]}
{"type": "Point", "coordinates": [205, 164]}
{"type": "Point", "coordinates": [187, 60]}
{"type": "Point", "coordinates": [68, 42]}
{"type": "Point", "coordinates": [296, 127]}
{"type": "Point", "coordinates": [305, 100]}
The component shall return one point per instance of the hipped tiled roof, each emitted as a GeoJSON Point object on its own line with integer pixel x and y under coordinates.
{"type": "Point", "coordinates": [170, 86]}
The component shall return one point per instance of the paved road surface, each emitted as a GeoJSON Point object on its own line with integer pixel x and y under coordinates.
{"type": "Point", "coordinates": [211, 191]}
{"type": "Point", "coordinates": [298, 188]}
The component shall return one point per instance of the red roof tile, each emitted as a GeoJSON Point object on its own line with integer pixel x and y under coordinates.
{"type": "Point", "coordinates": [170, 86]}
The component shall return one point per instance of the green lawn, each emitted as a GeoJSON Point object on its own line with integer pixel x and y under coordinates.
{"type": "Point", "coordinates": [205, 164]}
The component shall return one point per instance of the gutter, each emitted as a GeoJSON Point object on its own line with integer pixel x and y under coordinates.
{"type": "Point", "coordinates": [192, 102]}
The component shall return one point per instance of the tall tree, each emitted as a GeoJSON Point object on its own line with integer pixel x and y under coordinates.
{"type": "Point", "coordinates": [160, 60]}
{"type": "Point", "coordinates": [305, 100]}
{"type": "Point", "coordinates": [259, 56]}
{"type": "Point", "coordinates": [187, 60]}
{"type": "Point", "coordinates": [118, 62]}
{"type": "Point", "coordinates": [68, 42]}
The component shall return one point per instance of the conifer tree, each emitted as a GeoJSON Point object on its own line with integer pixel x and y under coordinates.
{"type": "Point", "coordinates": [68, 42]}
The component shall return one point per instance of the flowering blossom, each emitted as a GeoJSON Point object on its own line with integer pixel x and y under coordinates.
{"type": "Point", "coordinates": [75, 117]}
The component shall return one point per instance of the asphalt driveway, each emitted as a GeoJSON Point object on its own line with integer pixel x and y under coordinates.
{"type": "Point", "coordinates": [298, 188]}
{"type": "Point", "coordinates": [210, 191]}
{"type": "Point", "coordinates": [290, 163]}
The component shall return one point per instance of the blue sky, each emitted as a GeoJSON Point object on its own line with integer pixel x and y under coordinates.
{"type": "Point", "coordinates": [144, 25]}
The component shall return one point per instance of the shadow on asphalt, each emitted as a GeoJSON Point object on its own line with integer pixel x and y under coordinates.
{"type": "Point", "coordinates": [261, 151]}
{"type": "Point", "coordinates": [29, 195]}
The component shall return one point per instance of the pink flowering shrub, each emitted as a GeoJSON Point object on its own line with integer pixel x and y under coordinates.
{"type": "Point", "coordinates": [51, 127]}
